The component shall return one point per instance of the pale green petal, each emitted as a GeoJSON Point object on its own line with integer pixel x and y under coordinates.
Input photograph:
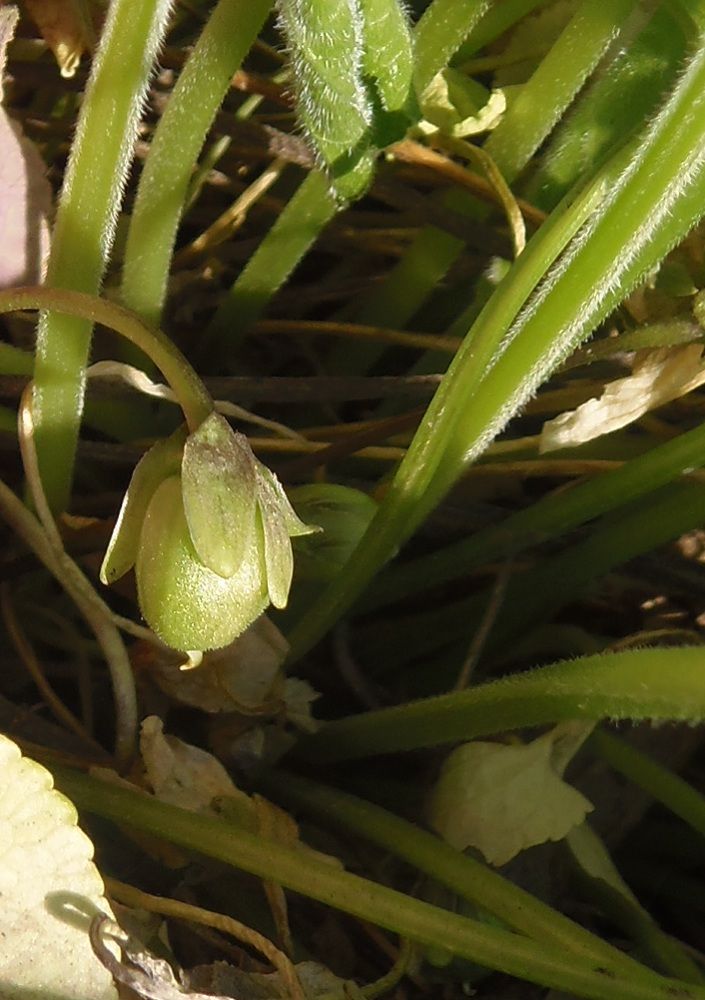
{"type": "Point", "coordinates": [218, 482]}
{"type": "Point", "coordinates": [294, 525]}
{"type": "Point", "coordinates": [188, 605]}
{"type": "Point", "coordinates": [161, 461]}
{"type": "Point", "coordinates": [278, 555]}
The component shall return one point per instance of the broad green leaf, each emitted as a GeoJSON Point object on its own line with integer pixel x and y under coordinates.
{"type": "Point", "coordinates": [49, 888]}
{"type": "Point", "coordinates": [504, 798]}
{"type": "Point", "coordinates": [188, 605]}
{"type": "Point", "coordinates": [218, 485]}
{"type": "Point", "coordinates": [161, 461]}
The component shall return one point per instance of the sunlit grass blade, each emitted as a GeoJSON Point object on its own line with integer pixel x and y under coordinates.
{"type": "Point", "coordinates": [621, 96]}
{"type": "Point", "coordinates": [657, 684]}
{"type": "Point", "coordinates": [442, 29]}
{"type": "Point", "coordinates": [178, 139]}
{"type": "Point", "coordinates": [295, 230]}
{"type": "Point", "coordinates": [85, 225]}
{"type": "Point", "coordinates": [639, 205]}
{"type": "Point", "coordinates": [543, 99]}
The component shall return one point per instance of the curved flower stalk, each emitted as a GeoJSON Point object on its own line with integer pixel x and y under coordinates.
{"type": "Point", "coordinates": [205, 524]}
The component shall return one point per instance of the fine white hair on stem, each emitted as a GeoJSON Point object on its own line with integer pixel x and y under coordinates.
{"type": "Point", "coordinates": [325, 43]}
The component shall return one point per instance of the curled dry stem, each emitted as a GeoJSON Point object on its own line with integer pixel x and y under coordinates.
{"type": "Point", "coordinates": [131, 896]}
{"type": "Point", "coordinates": [43, 537]}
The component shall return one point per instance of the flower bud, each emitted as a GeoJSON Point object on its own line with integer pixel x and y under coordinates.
{"type": "Point", "coordinates": [343, 515]}
{"type": "Point", "coordinates": [208, 529]}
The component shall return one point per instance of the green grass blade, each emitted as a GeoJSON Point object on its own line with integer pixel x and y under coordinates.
{"type": "Point", "coordinates": [623, 95]}
{"type": "Point", "coordinates": [543, 99]}
{"type": "Point", "coordinates": [367, 900]}
{"type": "Point", "coordinates": [295, 230]}
{"type": "Point", "coordinates": [85, 225]}
{"type": "Point", "coordinates": [643, 201]}
{"type": "Point", "coordinates": [657, 684]}
{"type": "Point", "coordinates": [548, 518]}
{"type": "Point", "coordinates": [661, 783]}
{"type": "Point", "coordinates": [443, 28]}
{"type": "Point", "coordinates": [178, 139]}
{"type": "Point", "coordinates": [466, 876]}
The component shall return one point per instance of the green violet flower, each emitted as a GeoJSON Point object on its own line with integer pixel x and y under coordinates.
{"type": "Point", "coordinates": [208, 529]}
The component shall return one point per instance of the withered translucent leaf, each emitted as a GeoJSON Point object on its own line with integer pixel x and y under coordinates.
{"type": "Point", "coordinates": [236, 677]}
{"type": "Point", "coordinates": [657, 377]}
{"type": "Point", "coordinates": [181, 774]}
{"type": "Point", "coordinates": [504, 798]}
{"type": "Point", "coordinates": [66, 27]}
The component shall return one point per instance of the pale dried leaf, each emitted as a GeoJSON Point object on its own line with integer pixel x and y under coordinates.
{"type": "Point", "coordinates": [48, 883]}
{"type": "Point", "coordinates": [148, 976]}
{"type": "Point", "coordinates": [458, 106]}
{"type": "Point", "coordinates": [657, 377]}
{"type": "Point", "coordinates": [236, 678]}
{"type": "Point", "coordinates": [503, 798]}
{"type": "Point", "coordinates": [316, 979]}
{"type": "Point", "coordinates": [8, 22]}
{"type": "Point", "coordinates": [25, 193]}
{"type": "Point", "coordinates": [66, 29]}
{"type": "Point", "coordinates": [181, 774]}
{"type": "Point", "coordinates": [299, 696]}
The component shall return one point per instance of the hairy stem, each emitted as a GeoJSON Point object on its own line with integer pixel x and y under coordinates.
{"type": "Point", "coordinates": [188, 388]}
